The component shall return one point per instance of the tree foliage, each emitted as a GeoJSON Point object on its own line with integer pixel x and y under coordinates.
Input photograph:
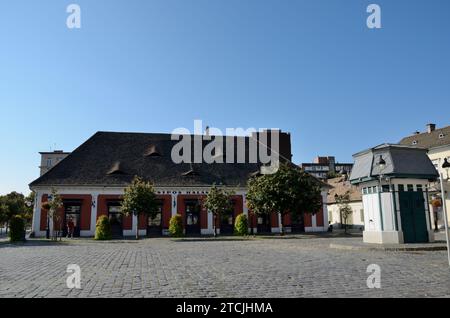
{"type": "Point", "coordinates": [176, 226]}
{"type": "Point", "coordinates": [289, 190]}
{"type": "Point", "coordinates": [103, 229]}
{"type": "Point", "coordinates": [218, 201]}
{"type": "Point", "coordinates": [17, 229]}
{"type": "Point", "coordinates": [11, 205]}
{"type": "Point", "coordinates": [241, 225]}
{"type": "Point", "coordinates": [139, 198]}
{"type": "Point", "coordinates": [52, 206]}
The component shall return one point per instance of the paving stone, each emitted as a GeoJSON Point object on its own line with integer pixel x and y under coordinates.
{"type": "Point", "coordinates": [270, 267]}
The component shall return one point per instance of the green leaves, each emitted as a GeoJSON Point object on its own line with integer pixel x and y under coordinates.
{"type": "Point", "coordinates": [241, 225]}
{"type": "Point", "coordinates": [289, 190]}
{"type": "Point", "coordinates": [53, 204]}
{"type": "Point", "coordinates": [17, 229]}
{"type": "Point", "coordinates": [13, 204]}
{"type": "Point", "coordinates": [218, 200]}
{"type": "Point", "coordinates": [103, 229]}
{"type": "Point", "coordinates": [176, 226]}
{"type": "Point", "coordinates": [140, 198]}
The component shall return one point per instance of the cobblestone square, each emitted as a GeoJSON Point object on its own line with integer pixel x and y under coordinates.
{"type": "Point", "coordinates": [301, 266]}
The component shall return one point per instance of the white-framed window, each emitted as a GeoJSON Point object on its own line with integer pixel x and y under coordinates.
{"type": "Point", "coordinates": [414, 142]}
{"type": "Point", "coordinates": [441, 135]}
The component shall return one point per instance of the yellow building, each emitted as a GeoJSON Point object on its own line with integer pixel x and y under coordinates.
{"type": "Point", "coordinates": [437, 141]}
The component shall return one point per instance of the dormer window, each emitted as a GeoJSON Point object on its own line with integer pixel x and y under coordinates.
{"type": "Point", "coordinates": [441, 135]}
{"type": "Point", "coordinates": [116, 169]}
{"type": "Point", "coordinates": [414, 142]}
{"type": "Point", "coordinates": [152, 151]}
{"type": "Point", "coordinates": [190, 172]}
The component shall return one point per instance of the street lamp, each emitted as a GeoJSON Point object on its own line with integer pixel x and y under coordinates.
{"type": "Point", "coordinates": [446, 167]}
{"type": "Point", "coordinates": [381, 163]}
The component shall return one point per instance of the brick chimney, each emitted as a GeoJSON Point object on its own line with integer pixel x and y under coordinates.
{"type": "Point", "coordinates": [431, 128]}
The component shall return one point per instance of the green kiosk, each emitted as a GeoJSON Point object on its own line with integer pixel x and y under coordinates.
{"type": "Point", "coordinates": [394, 180]}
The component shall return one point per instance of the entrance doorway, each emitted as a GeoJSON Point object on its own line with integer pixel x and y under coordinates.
{"type": "Point", "coordinates": [297, 223]}
{"type": "Point", "coordinates": [263, 225]}
{"type": "Point", "coordinates": [154, 225]}
{"type": "Point", "coordinates": [115, 219]}
{"type": "Point", "coordinates": [227, 222]}
{"type": "Point", "coordinates": [412, 212]}
{"type": "Point", "coordinates": [192, 217]}
{"type": "Point", "coordinates": [72, 213]}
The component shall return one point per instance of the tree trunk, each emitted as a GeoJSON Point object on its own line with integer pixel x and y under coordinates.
{"type": "Point", "coordinates": [52, 229]}
{"type": "Point", "coordinates": [6, 228]}
{"type": "Point", "coordinates": [61, 231]}
{"type": "Point", "coordinates": [281, 225]}
{"type": "Point", "coordinates": [137, 227]}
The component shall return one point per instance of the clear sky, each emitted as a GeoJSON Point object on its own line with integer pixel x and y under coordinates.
{"type": "Point", "coordinates": [310, 67]}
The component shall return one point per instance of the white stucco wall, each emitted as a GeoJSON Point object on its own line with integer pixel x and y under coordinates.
{"type": "Point", "coordinates": [356, 218]}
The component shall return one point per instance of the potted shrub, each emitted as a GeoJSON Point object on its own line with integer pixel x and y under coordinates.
{"type": "Point", "coordinates": [17, 229]}
{"type": "Point", "coordinates": [241, 225]}
{"type": "Point", "coordinates": [176, 226]}
{"type": "Point", "coordinates": [103, 229]}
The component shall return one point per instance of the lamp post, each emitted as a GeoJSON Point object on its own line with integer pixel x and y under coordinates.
{"type": "Point", "coordinates": [445, 166]}
{"type": "Point", "coordinates": [381, 165]}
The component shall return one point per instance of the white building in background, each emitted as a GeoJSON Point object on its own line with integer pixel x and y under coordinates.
{"type": "Point", "coordinates": [323, 167]}
{"type": "Point", "coordinates": [51, 159]}
{"type": "Point", "coordinates": [340, 186]}
{"type": "Point", "coordinates": [437, 141]}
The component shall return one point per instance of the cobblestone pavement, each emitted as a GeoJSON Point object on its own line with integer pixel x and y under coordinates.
{"type": "Point", "coordinates": [262, 267]}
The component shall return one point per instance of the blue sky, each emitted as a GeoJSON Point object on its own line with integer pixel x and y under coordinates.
{"type": "Point", "coordinates": [309, 67]}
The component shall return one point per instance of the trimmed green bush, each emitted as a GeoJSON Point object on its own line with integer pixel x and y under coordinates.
{"type": "Point", "coordinates": [17, 229]}
{"type": "Point", "coordinates": [103, 229]}
{"type": "Point", "coordinates": [241, 225]}
{"type": "Point", "coordinates": [176, 226]}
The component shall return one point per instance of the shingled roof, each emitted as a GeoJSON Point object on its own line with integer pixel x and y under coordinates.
{"type": "Point", "coordinates": [113, 159]}
{"type": "Point", "coordinates": [400, 161]}
{"type": "Point", "coordinates": [436, 138]}
{"type": "Point", "coordinates": [340, 186]}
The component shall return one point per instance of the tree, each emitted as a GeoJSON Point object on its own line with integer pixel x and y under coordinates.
{"type": "Point", "coordinates": [218, 201]}
{"type": "Point", "coordinates": [139, 199]}
{"type": "Point", "coordinates": [17, 231]}
{"type": "Point", "coordinates": [11, 205]}
{"type": "Point", "coordinates": [3, 212]}
{"type": "Point", "coordinates": [29, 206]}
{"type": "Point", "coordinates": [289, 190]}
{"type": "Point", "coordinates": [345, 210]}
{"type": "Point", "coordinates": [52, 206]}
